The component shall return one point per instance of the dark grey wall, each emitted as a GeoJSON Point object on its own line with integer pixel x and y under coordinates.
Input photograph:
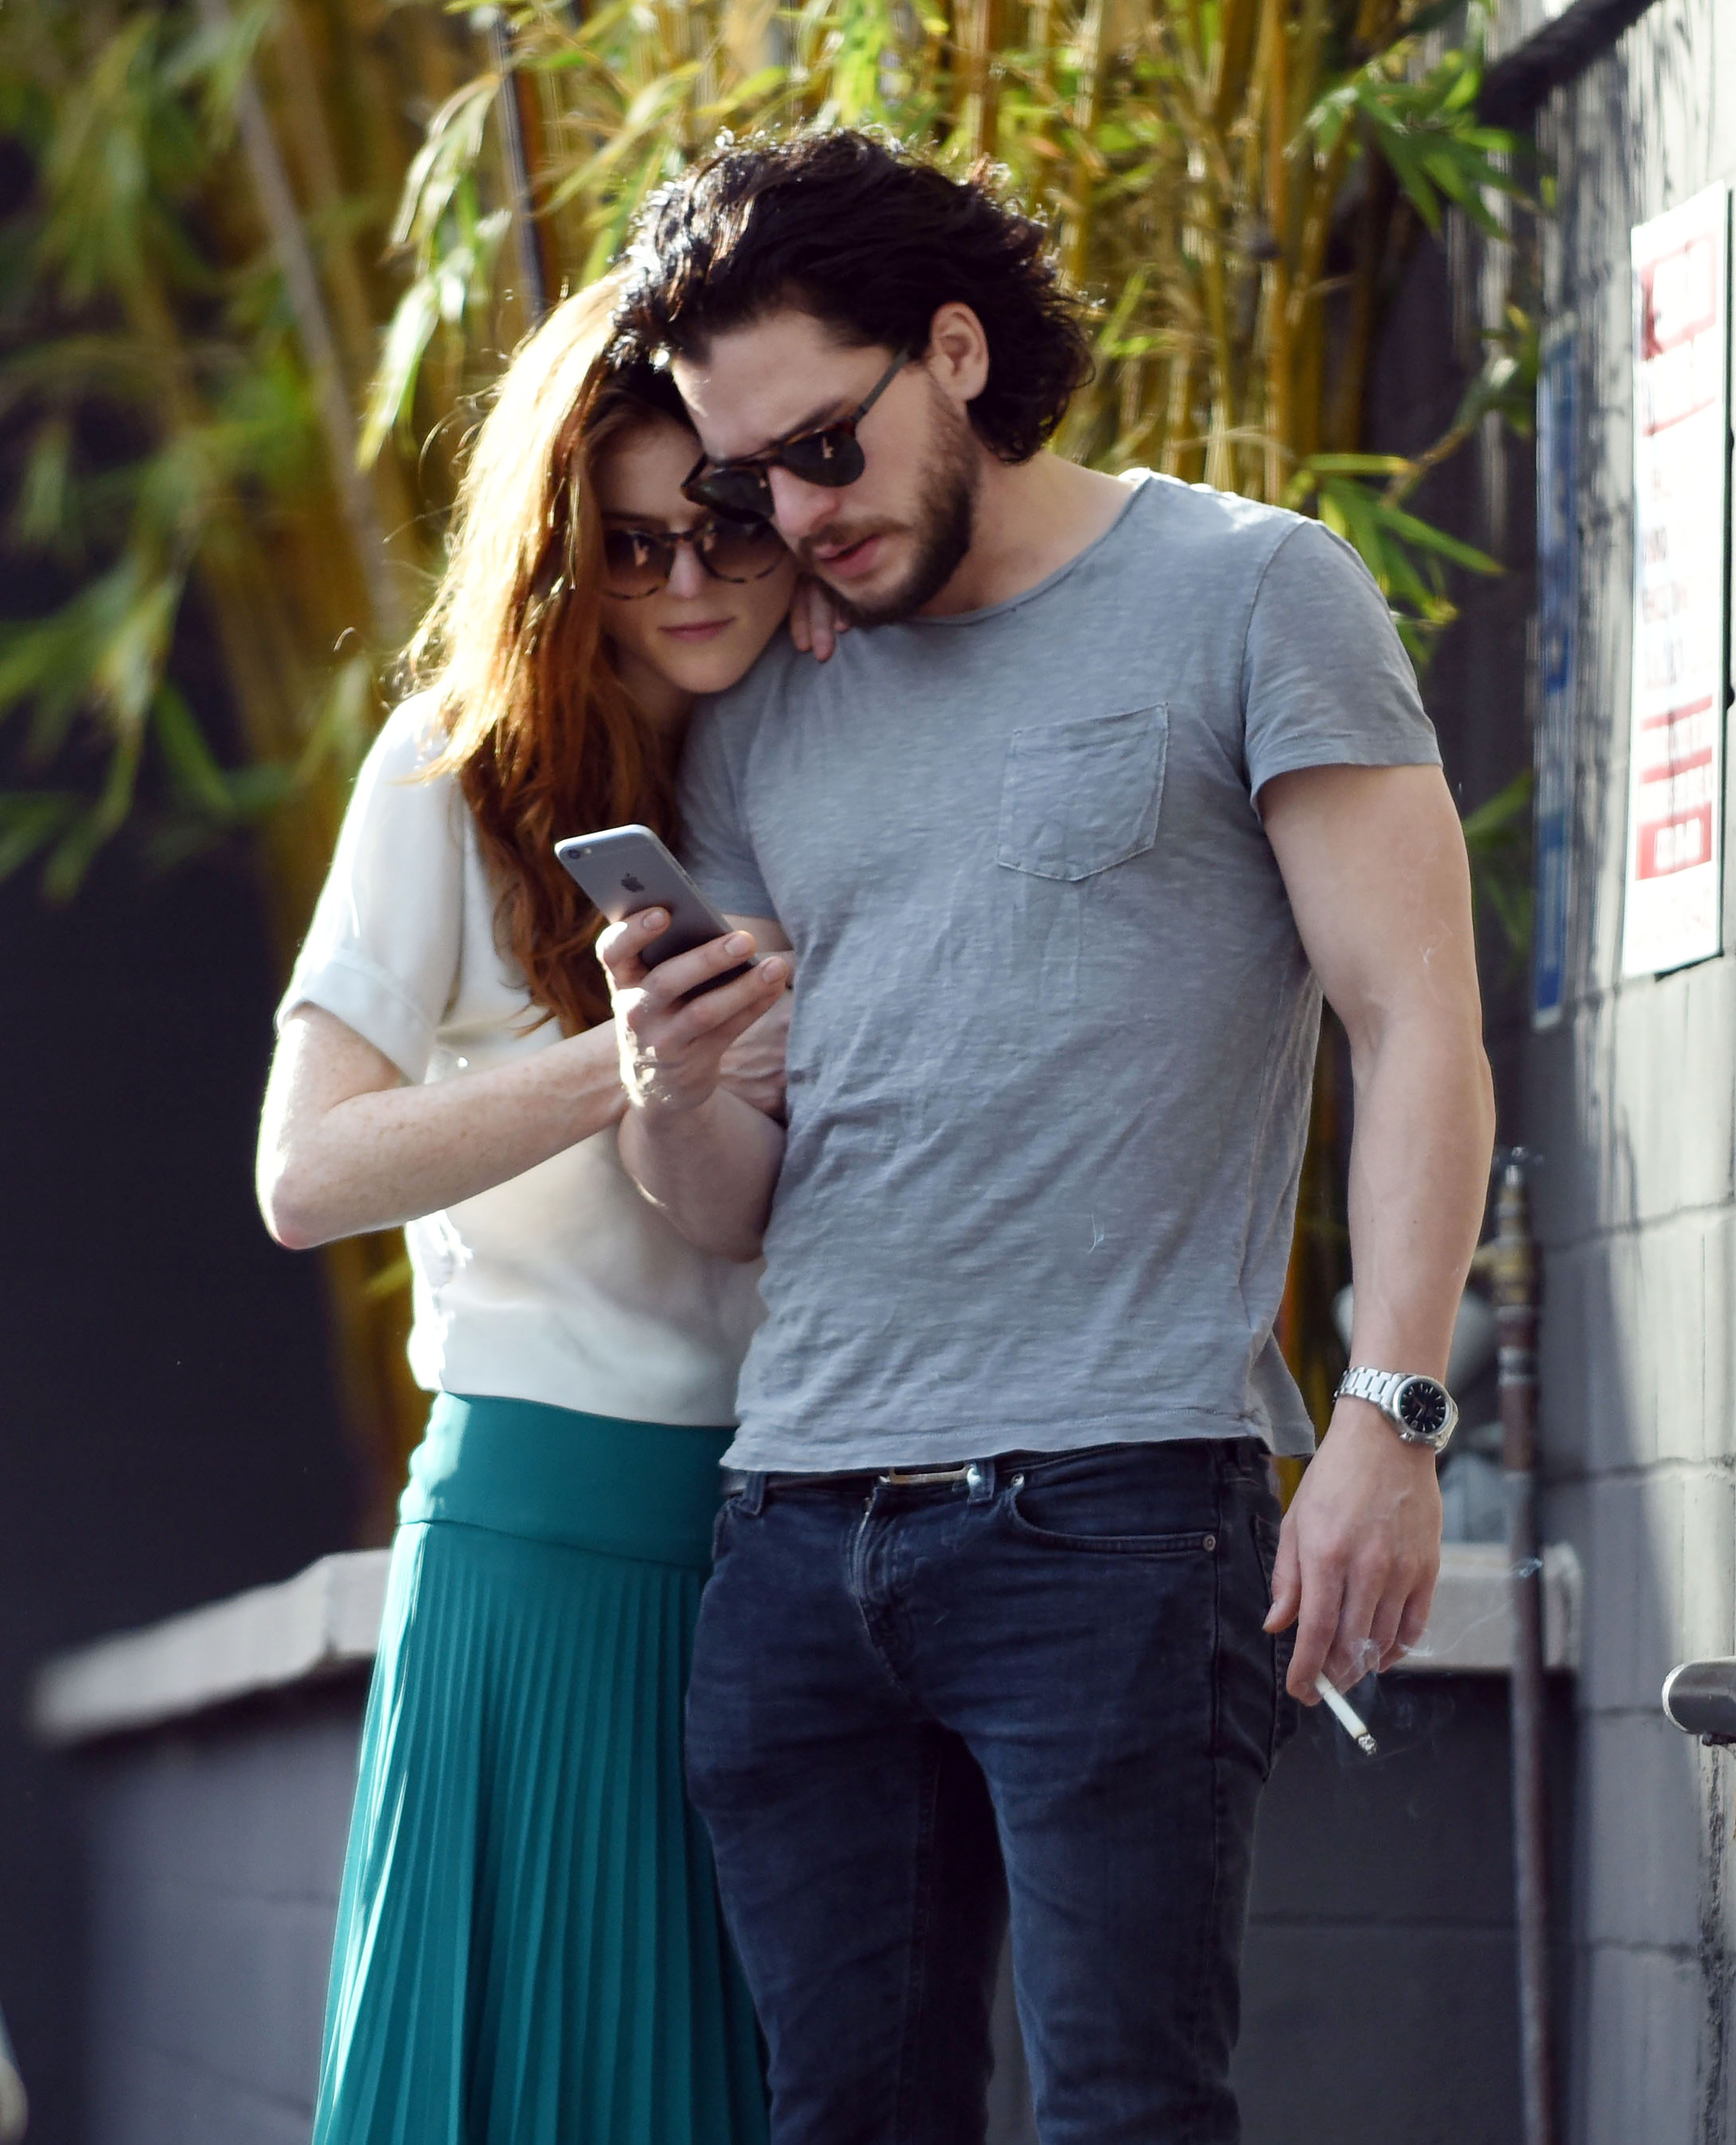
{"type": "Point", "coordinates": [1380, 1998]}
{"type": "Point", "coordinates": [167, 1427]}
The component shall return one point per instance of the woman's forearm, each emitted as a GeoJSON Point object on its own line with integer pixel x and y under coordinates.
{"type": "Point", "coordinates": [711, 1169]}
{"type": "Point", "coordinates": [373, 1160]}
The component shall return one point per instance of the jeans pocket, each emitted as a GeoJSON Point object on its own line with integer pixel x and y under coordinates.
{"type": "Point", "coordinates": [1286, 1713]}
{"type": "Point", "coordinates": [1078, 798]}
{"type": "Point", "coordinates": [1076, 1517]}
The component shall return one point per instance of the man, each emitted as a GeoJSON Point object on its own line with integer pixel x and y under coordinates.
{"type": "Point", "coordinates": [1060, 843]}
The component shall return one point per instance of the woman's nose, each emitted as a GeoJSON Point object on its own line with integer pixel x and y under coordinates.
{"type": "Point", "coordinates": [687, 577]}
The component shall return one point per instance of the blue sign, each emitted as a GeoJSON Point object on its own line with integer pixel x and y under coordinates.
{"type": "Point", "coordinates": [1557, 595]}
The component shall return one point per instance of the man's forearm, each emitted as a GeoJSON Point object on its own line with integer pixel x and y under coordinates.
{"type": "Point", "coordinates": [1419, 1179]}
{"type": "Point", "coordinates": [711, 1169]}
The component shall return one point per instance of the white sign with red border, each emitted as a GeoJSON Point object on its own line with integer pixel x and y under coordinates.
{"type": "Point", "coordinates": [1673, 912]}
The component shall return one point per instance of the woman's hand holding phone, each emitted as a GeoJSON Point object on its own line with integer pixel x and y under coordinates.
{"type": "Point", "coordinates": [671, 1044]}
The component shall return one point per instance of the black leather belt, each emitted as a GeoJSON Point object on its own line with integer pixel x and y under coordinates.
{"type": "Point", "coordinates": [860, 1479]}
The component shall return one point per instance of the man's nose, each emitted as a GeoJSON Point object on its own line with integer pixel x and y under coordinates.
{"type": "Point", "coordinates": [687, 577]}
{"type": "Point", "coordinates": [798, 509]}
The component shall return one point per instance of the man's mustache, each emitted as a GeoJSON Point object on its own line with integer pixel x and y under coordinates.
{"type": "Point", "coordinates": [840, 536]}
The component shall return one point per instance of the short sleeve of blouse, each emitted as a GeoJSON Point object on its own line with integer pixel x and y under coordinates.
{"type": "Point", "coordinates": [381, 953]}
{"type": "Point", "coordinates": [1325, 678]}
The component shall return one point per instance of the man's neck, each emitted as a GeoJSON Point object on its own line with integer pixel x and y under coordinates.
{"type": "Point", "coordinates": [1031, 519]}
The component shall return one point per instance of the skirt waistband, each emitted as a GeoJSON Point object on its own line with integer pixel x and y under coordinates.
{"type": "Point", "coordinates": [643, 1490]}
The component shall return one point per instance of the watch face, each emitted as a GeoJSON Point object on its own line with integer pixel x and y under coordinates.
{"type": "Point", "coordinates": [1422, 1406]}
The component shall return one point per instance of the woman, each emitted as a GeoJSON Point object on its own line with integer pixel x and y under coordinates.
{"type": "Point", "coordinates": [529, 1950]}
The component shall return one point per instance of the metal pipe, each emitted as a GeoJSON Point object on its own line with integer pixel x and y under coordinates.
{"type": "Point", "coordinates": [1515, 1276]}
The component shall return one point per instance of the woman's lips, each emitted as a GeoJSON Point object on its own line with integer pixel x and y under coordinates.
{"type": "Point", "coordinates": [703, 629]}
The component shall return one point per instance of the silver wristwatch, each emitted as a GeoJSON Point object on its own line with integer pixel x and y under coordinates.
{"type": "Point", "coordinates": [1421, 1409]}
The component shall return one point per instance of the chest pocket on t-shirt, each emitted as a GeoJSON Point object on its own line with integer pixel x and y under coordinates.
{"type": "Point", "coordinates": [1078, 798]}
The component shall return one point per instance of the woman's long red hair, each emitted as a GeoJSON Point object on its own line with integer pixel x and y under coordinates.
{"type": "Point", "coordinates": [541, 734]}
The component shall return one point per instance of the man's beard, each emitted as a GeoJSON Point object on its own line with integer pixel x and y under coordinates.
{"type": "Point", "coordinates": [945, 525]}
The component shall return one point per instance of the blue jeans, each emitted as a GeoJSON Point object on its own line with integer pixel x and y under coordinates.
{"type": "Point", "coordinates": [1053, 1668]}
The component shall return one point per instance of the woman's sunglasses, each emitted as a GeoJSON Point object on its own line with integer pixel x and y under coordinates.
{"type": "Point", "coordinates": [638, 562]}
{"type": "Point", "coordinates": [830, 455]}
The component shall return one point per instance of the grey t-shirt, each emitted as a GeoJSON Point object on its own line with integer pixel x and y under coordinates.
{"type": "Point", "coordinates": [1054, 1030]}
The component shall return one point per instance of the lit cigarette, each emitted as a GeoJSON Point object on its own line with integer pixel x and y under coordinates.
{"type": "Point", "coordinates": [1346, 1715]}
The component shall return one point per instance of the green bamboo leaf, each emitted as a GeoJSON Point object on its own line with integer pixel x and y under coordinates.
{"type": "Point", "coordinates": [1357, 464]}
{"type": "Point", "coordinates": [1500, 817]}
{"type": "Point", "coordinates": [448, 153]}
{"type": "Point", "coordinates": [192, 765]}
{"type": "Point", "coordinates": [29, 821]}
{"type": "Point", "coordinates": [129, 661]}
{"type": "Point", "coordinates": [1426, 537]}
{"type": "Point", "coordinates": [46, 513]}
{"type": "Point", "coordinates": [413, 323]}
{"type": "Point", "coordinates": [73, 855]}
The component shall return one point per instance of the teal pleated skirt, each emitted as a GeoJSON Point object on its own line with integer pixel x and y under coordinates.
{"type": "Point", "coordinates": [529, 1948]}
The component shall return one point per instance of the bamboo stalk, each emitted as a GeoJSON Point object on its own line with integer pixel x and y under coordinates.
{"type": "Point", "coordinates": [979, 117]}
{"type": "Point", "coordinates": [1239, 26]}
{"type": "Point", "coordinates": [1039, 16]}
{"type": "Point", "coordinates": [309, 142]}
{"type": "Point", "coordinates": [1084, 119]}
{"type": "Point", "coordinates": [351, 310]}
{"type": "Point", "coordinates": [532, 278]}
{"type": "Point", "coordinates": [390, 619]}
{"type": "Point", "coordinates": [1276, 92]}
{"type": "Point", "coordinates": [1378, 203]}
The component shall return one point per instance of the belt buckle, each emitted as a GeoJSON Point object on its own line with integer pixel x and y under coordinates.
{"type": "Point", "coordinates": [909, 1478]}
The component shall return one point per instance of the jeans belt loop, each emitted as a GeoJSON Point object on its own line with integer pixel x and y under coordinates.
{"type": "Point", "coordinates": [753, 1494]}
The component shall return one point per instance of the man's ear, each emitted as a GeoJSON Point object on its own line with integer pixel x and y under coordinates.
{"type": "Point", "coordinates": [957, 356]}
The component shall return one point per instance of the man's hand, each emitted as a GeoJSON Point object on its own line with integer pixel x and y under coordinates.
{"type": "Point", "coordinates": [1360, 1552]}
{"type": "Point", "coordinates": [672, 1054]}
{"type": "Point", "coordinates": [753, 1068]}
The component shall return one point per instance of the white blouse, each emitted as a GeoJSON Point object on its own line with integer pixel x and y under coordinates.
{"type": "Point", "coordinates": [564, 1285]}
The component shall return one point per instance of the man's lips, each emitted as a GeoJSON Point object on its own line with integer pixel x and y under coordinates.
{"type": "Point", "coordinates": [848, 561]}
{"type": "Point", "coordinates": [702, 628]}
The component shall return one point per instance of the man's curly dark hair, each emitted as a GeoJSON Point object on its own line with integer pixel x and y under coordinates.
{"type": "Point", "coordinates": [871, 240]}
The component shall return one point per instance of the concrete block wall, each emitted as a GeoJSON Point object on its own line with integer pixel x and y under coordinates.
{"type": "Point", "coordinates": [1378, 1987]}
{"type": "Point", "coordinates": [1633, 1101]}
{"type": "Point", "coordinates": [217, 1851]}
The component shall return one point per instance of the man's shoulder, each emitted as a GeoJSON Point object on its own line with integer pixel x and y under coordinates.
{"type": "Point", "coordinates": [1195, 518]}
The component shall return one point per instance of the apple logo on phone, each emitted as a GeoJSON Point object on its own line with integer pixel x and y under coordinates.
{"type": "Point", "coordinates": [632, 885]}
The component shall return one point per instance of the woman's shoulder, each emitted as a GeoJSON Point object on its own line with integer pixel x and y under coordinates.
{"type": "Point", "coordinates": [402, 811]}
{"type": "Point", "coordinates": [409, 741]}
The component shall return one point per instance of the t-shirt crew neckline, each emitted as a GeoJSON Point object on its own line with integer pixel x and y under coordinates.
{"type": "Point", "coordinates": [1137, 482]}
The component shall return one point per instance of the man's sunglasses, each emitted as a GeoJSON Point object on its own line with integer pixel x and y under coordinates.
{"type": "Point", "coordinates": [638, 562]}
{"type": "Point", "coordinates": [830, 455]}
